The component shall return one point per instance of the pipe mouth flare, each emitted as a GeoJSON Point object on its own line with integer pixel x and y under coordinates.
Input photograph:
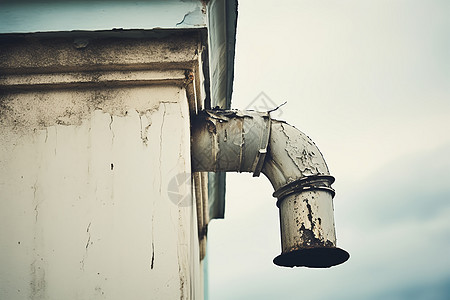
{"type": "Point", "coordinates": [312, 258]}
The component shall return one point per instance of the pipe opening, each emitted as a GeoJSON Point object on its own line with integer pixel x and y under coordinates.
{"type": "Point", "coordinates": [312, 258]}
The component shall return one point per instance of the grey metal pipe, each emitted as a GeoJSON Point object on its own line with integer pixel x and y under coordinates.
{"type": "Point", "coordinates": [248, 141]}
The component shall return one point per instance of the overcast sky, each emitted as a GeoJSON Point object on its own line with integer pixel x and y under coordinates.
{"type": "Point", "coordinates": [369, 82]}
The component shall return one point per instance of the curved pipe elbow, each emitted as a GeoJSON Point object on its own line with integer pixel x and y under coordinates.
{"type": "Point", "coordinates": [294, 161]}
{"type": "Point", "coordinates": [248, 141]}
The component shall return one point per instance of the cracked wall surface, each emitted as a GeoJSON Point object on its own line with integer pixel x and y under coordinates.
{"type": "Point", "coordinates": [84, 208]}
{"type": "Point", "coordinates": [87, 201]}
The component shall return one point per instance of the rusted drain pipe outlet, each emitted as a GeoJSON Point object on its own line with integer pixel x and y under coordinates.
{"type": "Point", "coordinates": [247, 141]}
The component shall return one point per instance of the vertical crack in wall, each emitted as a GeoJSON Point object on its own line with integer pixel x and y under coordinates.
{"type": "Point", "coordinates": [36, 201]}
{"type": "Point", "coordinates": [110, 129]}
{"type": "Point", "coordinates": [112, 165]}
{"type": "Point", "coordinates": [144, 128]}
{"type": "Point", "coordinates": [181, 281]}
{"type": "Point", "coordinates": [143, 137]}
{"type": "Point", "coordinates": [181, 255]}
{"type": "Point", "coordinates": [89, 235]}
{"type": "Point", "coordinates": [182, 143]}
{"type": "Point", "coordinates": [37, 272]}
{"type": "Point", "coordinates": [161, 148]}
{"type": "Point", "coordinates": [87, 245]}
{"type": "Point", "coordinates": [152, 262]}
{"type": "Point", "coordinates": [153, 250]}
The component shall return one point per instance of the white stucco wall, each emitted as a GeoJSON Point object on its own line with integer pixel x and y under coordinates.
{"type": "Point", "coordinates": [84, 208]}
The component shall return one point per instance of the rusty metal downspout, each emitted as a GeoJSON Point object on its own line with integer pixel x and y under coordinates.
{"type": "Point", "coordinates": [248, 141]}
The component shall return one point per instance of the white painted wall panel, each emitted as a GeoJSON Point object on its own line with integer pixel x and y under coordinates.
{"type": "Point", "coordinates": [84, 209]}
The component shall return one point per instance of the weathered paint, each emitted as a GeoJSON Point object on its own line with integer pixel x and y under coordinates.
{"type": "Point", "coordinates": [239, 138]}
{"type": "Point", "coordinates": [85, 162]}
{"type": "Point", "coordinates": [218, 16]}
{"type": "Point", "coordinates": [293, 156]}
{"type": "Point", "coordinates": [312, 222]}
{"type": "Point", "coordinates": [60, 52]}
{"type": "Point", "coordinates": [148, 66]}
{"type": "Point", "coordinates": [248, 141]}
{"type": "Point", "coordinates": [229, 140]}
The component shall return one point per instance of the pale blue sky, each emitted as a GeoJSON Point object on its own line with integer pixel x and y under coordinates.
{"type": "Point", "coordinates": [369, 82]}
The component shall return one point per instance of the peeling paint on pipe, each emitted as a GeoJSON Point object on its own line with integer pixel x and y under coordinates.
{"type": "Point", "coordinates": [248, 141]}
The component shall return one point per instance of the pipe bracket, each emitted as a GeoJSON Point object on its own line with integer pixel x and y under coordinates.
{"type": "Point", "coordinates": [316, 182]}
